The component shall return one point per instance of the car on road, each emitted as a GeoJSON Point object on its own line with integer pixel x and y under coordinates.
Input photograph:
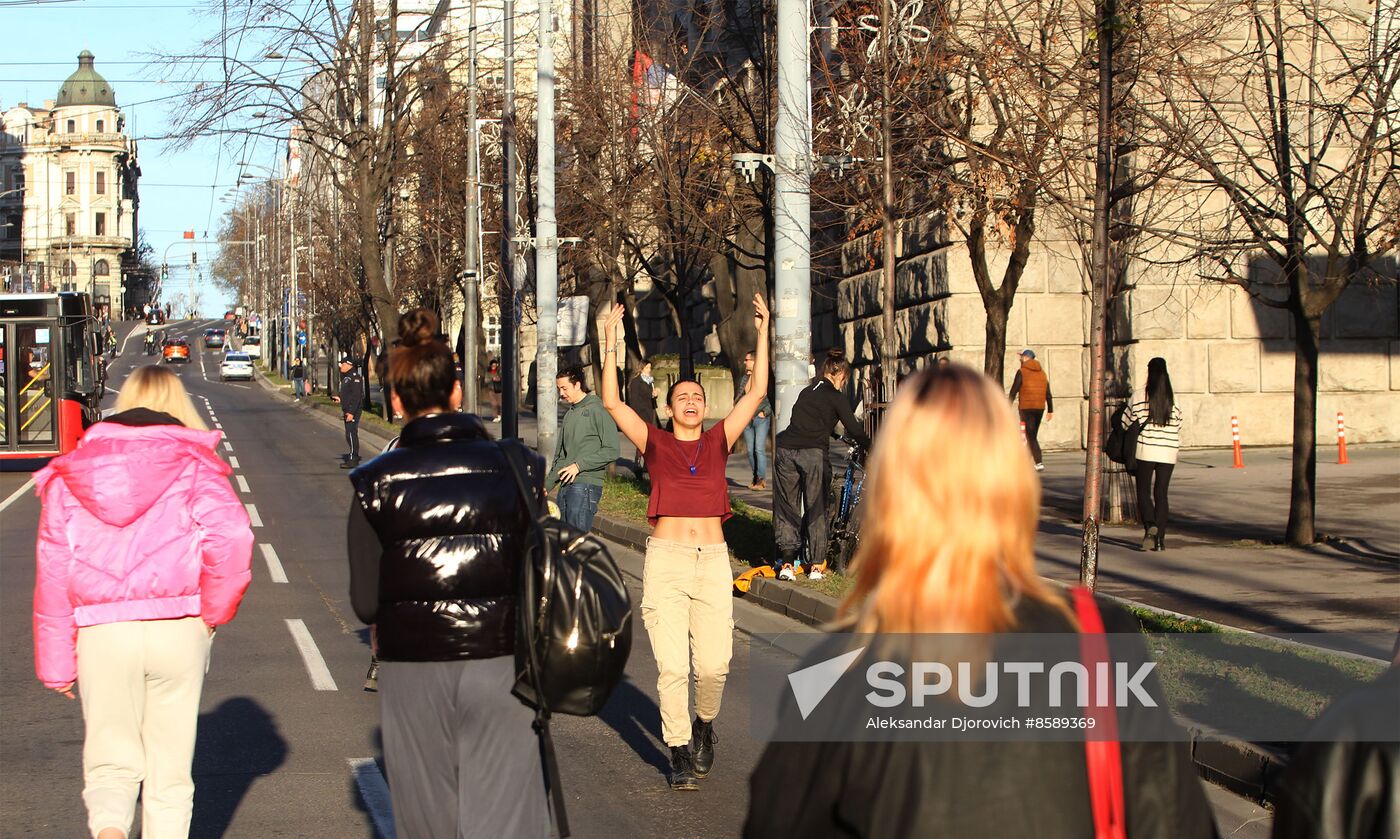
{"type": "Point", "coordinates": [175, 349]}
{"type": "Point", "coordinates": [230, 316]}
{"type": "Point", "coordinates": [213, 338]}
{"type": "Point", "coordinates": [156, 317]}
{"type": "Point", "coordinates": [252, 345]}
{"type": "Point", "coordinates": [236, 365]}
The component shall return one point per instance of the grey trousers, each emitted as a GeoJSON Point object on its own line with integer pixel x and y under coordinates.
{"type": "Point", "coordinates": [799, 502]}
{"type": "Point", "coordinates": [462, 757]}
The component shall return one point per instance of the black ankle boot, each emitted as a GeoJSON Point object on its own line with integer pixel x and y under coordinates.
{"type": "Point", "coordinates": [683, 769]}
{"type": "Point", "coordinates": [1161, 541]}
{"type": "Point", "coordinates": [1150, 539]}
{"type": "Point", "coordinates": [702, 744]}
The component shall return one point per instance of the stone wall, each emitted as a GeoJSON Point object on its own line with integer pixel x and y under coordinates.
{"type": "Point", "coordinates": [1227, 355]}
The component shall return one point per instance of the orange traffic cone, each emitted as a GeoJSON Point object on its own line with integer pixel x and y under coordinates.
{"type": "Point", "coordinates": [1341, 439]}
{"type": "Point", "coordinates": [1235, 439]}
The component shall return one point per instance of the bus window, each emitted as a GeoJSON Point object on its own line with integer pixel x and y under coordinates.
{"type": "Point", "coordinates": [79, 358]}
{"type": "Point", "coordinates": [37, 412]}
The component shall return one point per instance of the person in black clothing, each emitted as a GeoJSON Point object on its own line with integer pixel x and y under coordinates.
{"type": "Point", "coordinates": [352, 402]}
{"type": "Point", "coordinates": [460, 749]}
{"type": "Point", "coordinates": [801, 471]}
{"type": "Point", "coordinates": [951, 515]}
{"type": "Point", "coordinates": [641, 398]}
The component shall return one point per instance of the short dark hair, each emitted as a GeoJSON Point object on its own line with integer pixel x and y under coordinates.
{"type": "Point", "coordinates": [575, 375]}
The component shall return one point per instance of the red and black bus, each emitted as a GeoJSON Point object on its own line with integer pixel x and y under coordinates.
{"type": "Point", "coordinates": [50, 372]}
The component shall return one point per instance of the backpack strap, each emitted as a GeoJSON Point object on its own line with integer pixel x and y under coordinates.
{"type": "Point", "coordinates": [1102, 752]}
{"type": "Point", "coordinates": [516, 460]}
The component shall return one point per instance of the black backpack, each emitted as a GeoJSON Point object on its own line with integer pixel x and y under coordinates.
{"type": "Point", "coordinates": [1121, 445]}
{"type": "Point", "coordinates": [574, 626]}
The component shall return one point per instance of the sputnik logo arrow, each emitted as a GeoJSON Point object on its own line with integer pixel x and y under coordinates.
{"type": "Point", "coordinates": [810, 685]}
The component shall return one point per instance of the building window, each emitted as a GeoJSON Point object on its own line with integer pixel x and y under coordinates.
{"type": "Point", "coordinates": [69, 269]}
{"type": "Point", "coordinates": [101, 181]}
{"type": "Point", "coordinates": [72, 126]}
{"type": "Point", "coordinates": [70, 183]}
{"type": "Point", "coordinates": [70, 224]}
{"type": "Point", "coordinates": [99, 227]}
{"type": "Point", "coordinates": [12, 225]}
{"type": "Point", "coordinates": [100, 268]}
{"type": "Point", "coordinates": [100, 124]}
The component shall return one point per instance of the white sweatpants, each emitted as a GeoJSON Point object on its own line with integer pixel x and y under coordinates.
{"type": "Point", "coordinates": [140, 683]}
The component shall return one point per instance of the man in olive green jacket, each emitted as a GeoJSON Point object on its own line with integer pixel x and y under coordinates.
{"type": "Point", "coordinates": [587, 446]}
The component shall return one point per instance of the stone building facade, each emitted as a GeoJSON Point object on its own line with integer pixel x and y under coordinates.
{"type": "Point", "coordinates": [1228, 356]}
{"type": "Point", "coordinates": [68, 197]}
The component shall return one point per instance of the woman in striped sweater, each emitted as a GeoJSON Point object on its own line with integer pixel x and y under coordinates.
{"type": "Point", "coordinates": [1155, 407]}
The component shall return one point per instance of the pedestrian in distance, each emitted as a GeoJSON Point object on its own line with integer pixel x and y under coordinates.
{"type": "Point", "coordinates": [587, 447]}
{"type": "Point", "coordinates": [494, 387]}
{"type": "Point", "coordinates": [1031, 391]}
{"type": "Point", "coordinates": [143, 550]}
{"type": "Point", "coordinates": [298, 378]}
{"type": "Point", "coordinates": [687, 606]}
{"type": "Point", "coordinates": [352, 403]}
{"type": "Point", "coordinates": [756, 432]}
{"type": "Point", "coordinates": [1155, 407]}
{"type": "Point", "coordinates": [641, 398]}
{"type": "Point", "coordinates": [802, 471]}
{"type": "Point", "coordinates": [461, 753]}
{"type": "Point", "coordinates": [951, 515]}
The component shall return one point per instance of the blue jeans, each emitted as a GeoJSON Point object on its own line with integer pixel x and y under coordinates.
{"type": "Point", "coordinates": [578, 503]}
{"type": "Point", "coordinates": [756, 441]}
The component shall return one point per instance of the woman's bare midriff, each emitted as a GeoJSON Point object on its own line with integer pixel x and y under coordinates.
{"type": "Point", "coordinates": [693, 532]}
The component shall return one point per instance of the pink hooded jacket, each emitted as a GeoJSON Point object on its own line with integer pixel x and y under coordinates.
{"type": "Point", "coordinates": [138, 523]}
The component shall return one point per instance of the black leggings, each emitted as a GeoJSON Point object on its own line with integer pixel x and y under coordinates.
{"type": "Point", "coordinates": [1152, 482]}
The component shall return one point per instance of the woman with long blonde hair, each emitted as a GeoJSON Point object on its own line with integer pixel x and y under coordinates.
{"type": "Point", "coordinates": [950, 517]}
{"type": "Point", "coordinates": [143, 550]}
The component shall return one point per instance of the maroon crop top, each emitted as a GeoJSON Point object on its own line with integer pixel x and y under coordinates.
{"type": "Point", "coordinates": [675, 490]}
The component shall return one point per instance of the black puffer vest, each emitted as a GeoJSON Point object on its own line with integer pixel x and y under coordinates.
{"type": "Point", "coordinates": [453, 529]}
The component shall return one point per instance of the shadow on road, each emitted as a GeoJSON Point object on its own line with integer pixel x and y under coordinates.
{"type": "Point", "coordinates": [637, 720]}
{"type": "Point", "coordinates": [238, 741]}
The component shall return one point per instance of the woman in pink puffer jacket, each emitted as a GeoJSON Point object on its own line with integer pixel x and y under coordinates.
{"type": "Point", "coordinates": [143, 550]}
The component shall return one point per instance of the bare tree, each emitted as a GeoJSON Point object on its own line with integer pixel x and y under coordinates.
{"type": "Point", "coordinates": [1293, 133]}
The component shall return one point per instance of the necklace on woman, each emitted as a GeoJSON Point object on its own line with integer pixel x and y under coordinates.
{"type": "Point", "coordinates": [696, 460]}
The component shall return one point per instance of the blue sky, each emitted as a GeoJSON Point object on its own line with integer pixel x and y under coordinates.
{"type": "Point", "coordinates": [179, 191]}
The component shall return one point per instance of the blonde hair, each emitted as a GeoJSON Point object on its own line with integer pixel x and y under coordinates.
{"type": "Point", "coordinates": [159, 389]}
{"type": "Point", "coordinates": [950, 514]}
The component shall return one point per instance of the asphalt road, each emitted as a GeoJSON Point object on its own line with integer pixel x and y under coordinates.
{"type": "Point", "coordinates": [288, 742]}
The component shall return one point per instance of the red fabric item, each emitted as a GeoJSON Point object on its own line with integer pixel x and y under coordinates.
{"type": "Point", "coordinates": [1102, 755]}
{"type": "Point", "coordinates": [674, 490]}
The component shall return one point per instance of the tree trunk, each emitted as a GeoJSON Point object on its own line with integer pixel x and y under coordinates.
{"type": "Point", "coordinates": [994, 355]}
{"type": "Point", "coordinates": [1302, 497]}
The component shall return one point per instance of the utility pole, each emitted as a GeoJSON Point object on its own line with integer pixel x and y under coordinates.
{"type": "Point", "coordinates": [510, 291]}
{"type": "Point", "coordinates": [471, 273]}
{"type": "Point", "coordinates": [546, 245]}
{"type": "Point", "coordinates": [289, 333]}
{"type": "Point", "coordinates": [792, 212]}
{"type": "Point", "coordinates": [1099, 289]}
{"type": "Point", "coordinates": [888, 348]}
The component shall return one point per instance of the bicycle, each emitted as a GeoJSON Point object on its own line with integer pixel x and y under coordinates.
{"type": "Point", "coordinates": [844, 527]}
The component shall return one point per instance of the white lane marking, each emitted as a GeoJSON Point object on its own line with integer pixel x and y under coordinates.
{"type": "Point", "coordinates": [241, 387]}
{"type": "Point", "coordinates": [218, 425]}
{"type": "Point", "coordinates": [113, 390]}
{"type": "Point", "coordinates": [233, 461]}
{"type": "Point", "coordinates": [228, 447]}
{"type": "Point", "coordinates": [375, 793]}
{"type": "Point", "coordinates": [242, 484]}
{"type": "Point", "coordinates": [14, 496]}
{"type": "Point", "coordinates": [310, 656]}
{"type": "Point", "coordinates": [274, 565]}
{"type": "Point", "coordinates": [253, 515]}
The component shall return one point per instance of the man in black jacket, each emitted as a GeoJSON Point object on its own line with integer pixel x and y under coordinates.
{"type": "Point", "coordinates": [352, 402]}
{"type": "Point", "coordinates": [801, 471]}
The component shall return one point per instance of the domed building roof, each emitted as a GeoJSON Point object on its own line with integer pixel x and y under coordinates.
{"type": "Point", "coordinates": [86, 86]}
